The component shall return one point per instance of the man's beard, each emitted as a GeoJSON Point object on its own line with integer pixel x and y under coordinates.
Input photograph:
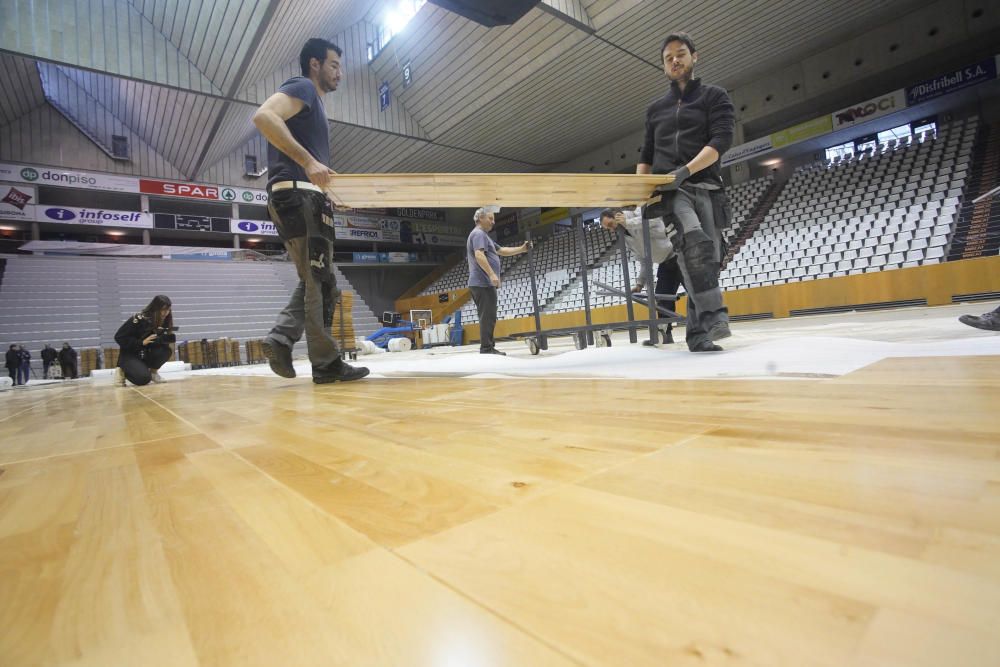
{"type": "Point", "coordinates": [686, 75]}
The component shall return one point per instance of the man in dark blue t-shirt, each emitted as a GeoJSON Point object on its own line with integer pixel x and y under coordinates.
{"type": "Point", "coordinates": [294, 122]}
{"type": "Point", "coordinates": [483, 256]}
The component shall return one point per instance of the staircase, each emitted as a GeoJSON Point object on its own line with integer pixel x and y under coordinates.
{"type": "Point", "coordinates": [757, 216]}
{"type": "Point", "coordinates": [978, 230]}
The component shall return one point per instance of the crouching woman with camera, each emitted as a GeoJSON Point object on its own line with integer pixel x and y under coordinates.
{"type": "Point", "coordinates": [145, 341]}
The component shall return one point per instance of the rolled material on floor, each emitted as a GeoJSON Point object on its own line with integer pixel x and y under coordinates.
{"type": "Point", "coordinates": [400, 345]}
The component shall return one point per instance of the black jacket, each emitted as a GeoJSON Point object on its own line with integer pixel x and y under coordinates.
{"type": "Point", "coordinates": [13, 358]}
{"type": "Point", "coordinates": [135, 330]}
{"type": "Point", "coordinates": [678, 127]}
{"type": "Point", "coordinates": [67, 355]}
{"type": "Point", "coordinates": [48, 355]}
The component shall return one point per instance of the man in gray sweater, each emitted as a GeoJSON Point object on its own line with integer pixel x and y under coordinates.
{"type": "Point", "coordinates": [668, 274]}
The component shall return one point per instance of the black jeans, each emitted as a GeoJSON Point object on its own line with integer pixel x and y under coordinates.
{"type": "Point", "coordinates": [486, 306]}
{"type": "Point", "coordinates": [139, 368]}
{"type": "Point", "coordinates": [668, 279]}
{"type": "Point", "coordinates": [68, 369]}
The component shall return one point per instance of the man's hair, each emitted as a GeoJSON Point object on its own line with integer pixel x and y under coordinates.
{"type": "Point", "coordinates": [480, 213]}
{"type": "Point", "coordinates": [607, 213]}
{"type": "Point", "coordinates": [677, 37]}
{"type": "Point", "coordinates": [316, 48]}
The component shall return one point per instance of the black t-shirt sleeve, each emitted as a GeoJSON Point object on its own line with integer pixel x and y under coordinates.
{"type": "Point", "coordinates": [300, 89]}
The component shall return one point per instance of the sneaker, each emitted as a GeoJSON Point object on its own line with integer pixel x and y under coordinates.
{"type": "Point", "coordinates": [988, 321]}
{"type": "Point", "coordinates": [119, 377]}
{"type": "Point", "coordinates": [339, 372]}
{"type": "Point", "coordinates": [493, 351]}
{"type": "Point", "coordinates": [706, 346]}
{"type": "Point", "coordinates": [156, 377]}
{"type": "Point", "coordinates": [719, 330]}
{"type": "Point", "coordinates": [279, 357]}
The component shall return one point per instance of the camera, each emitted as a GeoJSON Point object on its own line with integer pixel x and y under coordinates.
{"type": "Point", "coordinates": [165, 334]}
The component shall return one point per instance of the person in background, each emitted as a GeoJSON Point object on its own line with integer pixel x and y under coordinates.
{"type": "Point", "coordinates": [67, 361]}
{"type": "Point", "coordinates": [483, 256]}
{"type": "Point", "coordinates": [13, 359]}
{"type": "Point", "coordinates": [24, 370]}
{"type": "Point", "coordinates": [145, 341]}
{"type": "Point", "coordinates": [48, 357]}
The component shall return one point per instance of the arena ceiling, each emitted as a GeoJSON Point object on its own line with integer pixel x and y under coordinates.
{"type": "Point", "coordinates": [570, 76]}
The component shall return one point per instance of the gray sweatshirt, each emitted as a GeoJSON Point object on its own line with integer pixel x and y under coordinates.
{"type": "Point", "coordinates": [662, 248]}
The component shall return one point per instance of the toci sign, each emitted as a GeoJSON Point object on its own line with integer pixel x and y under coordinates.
{"type": "Point", "coordinates": [870, 109]}
{"type": "Point", "coordinates": [88, 216]}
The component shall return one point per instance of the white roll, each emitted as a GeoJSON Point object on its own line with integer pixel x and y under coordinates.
{"type": "Point", "coordinates": [368, 347]}
{"type": "Point", "coordinates": [400, 345]}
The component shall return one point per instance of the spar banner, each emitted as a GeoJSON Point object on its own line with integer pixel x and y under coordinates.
{"type": "Point", "coordinates": [17, 202]}
{"type": "Point", "coordinates": [172, 189]}
{"type": "Point", "coordinates": [970, 75]}
{"type": "Point", "coordinates": [66, 178]}
{"type": "Point", "coordinates": [93, 216]}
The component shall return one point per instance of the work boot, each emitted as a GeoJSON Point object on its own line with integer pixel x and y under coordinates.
{"type": "Point", "coordinates": [719, 330]}
{"type": "Point", "coordinates": [339, 372]}
{"type": "Point", "coordinates": [493, 351]}
{"type": "Point", "coordinates": [279, 357]}
{"type": "Point", "coordinates": [156, 377]}
{"type": "Point", "coordinates": [987, 321]}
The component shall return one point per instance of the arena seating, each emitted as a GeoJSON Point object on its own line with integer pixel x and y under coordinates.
{"type": "Point", "coordinates": [83, 300]}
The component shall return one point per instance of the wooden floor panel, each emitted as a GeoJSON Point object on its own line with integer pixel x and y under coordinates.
{"type": "Point", "coordinates": [254, 520]}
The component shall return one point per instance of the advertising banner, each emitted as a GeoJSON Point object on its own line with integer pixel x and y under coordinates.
{"type": "Point", "coordinates": [807, 130]}
{"type": "Point", "coordinates": [67, 178]}
{"type": "Point", "coordinates": [863, 112]}
{"type": "Point", "coordinates": [91, 216]}
{"type": "Point", "coordinates": [263, 227]}
{"type": "Point", "coordinates": [17, 202]}
{"type": "Point", "coordinates": [747, 151]}
{"type": "Point", "coordinates": [970, 75]}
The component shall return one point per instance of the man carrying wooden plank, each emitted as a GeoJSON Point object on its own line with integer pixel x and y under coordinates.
{"type": "Point", "coordinates": [686, 132]}
{"type": "Point", "coordinates": [294, 122]}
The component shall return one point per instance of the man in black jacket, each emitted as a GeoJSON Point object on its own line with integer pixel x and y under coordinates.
{"type": "Point", "coordinates": [48, 356]}
{"type": "Point", "coordinates": [687, 130]}
{"type": "Point", "coordinates": [13, 360]}
{"type": "Point", "coordinates": [67, 361]}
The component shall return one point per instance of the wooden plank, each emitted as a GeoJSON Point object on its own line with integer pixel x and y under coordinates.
{"type": "Point", "coordinates": [469, 190]}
